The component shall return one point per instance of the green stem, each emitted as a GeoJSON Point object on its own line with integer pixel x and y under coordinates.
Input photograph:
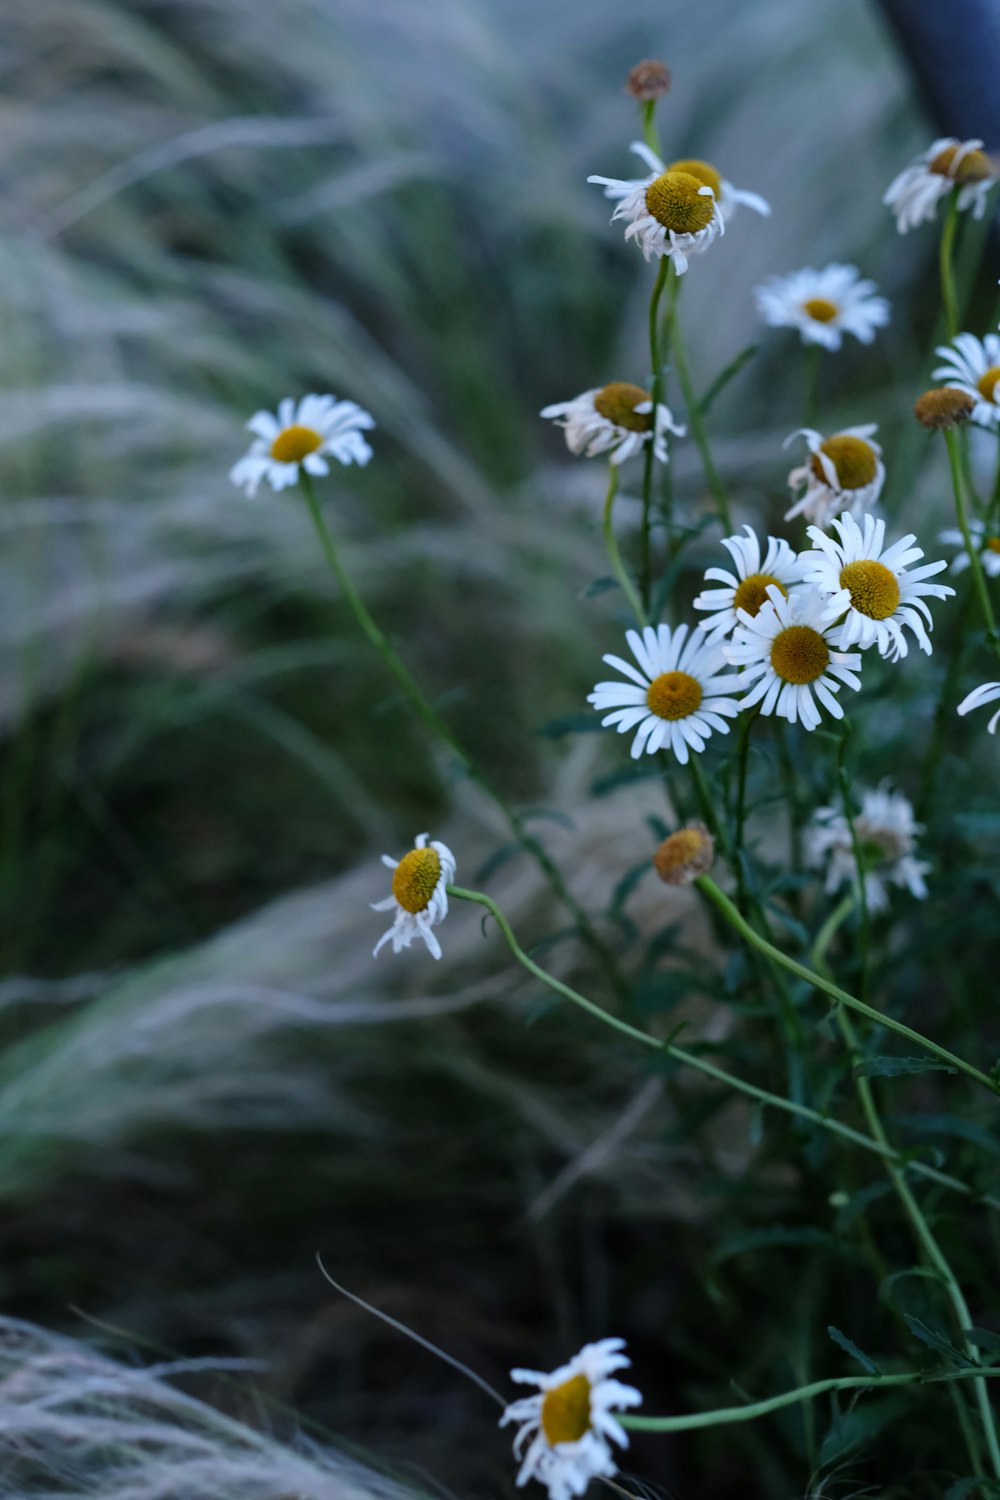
{"type": "Point", "coordinates": [859, 863]}
{"type": "Point", "coordinates": [945, 706]}
{"type": "Point", "coordinates": [755, 1409]}
{"type": "Point", "coordinates": [701, 1065]}
{"type": "Point", "coordinates": [708, 885]}
{"type": "Point", "coordinates": [975, 563]}
{"type": "Point", "coordinates": [949, 298]}
{"type": "Point", "coordinates": [437, 726]}
{"type": "Point", "coordinates": [649, 132]}
{"type": "Point", "coordinates": [645, 564]}
{"type": "Point", "coordinates": [611, 546]}
{"type": "Point", "coordinates": [741, 805]}
{"type": "Point", "coordinates": [694, 417]}
{"type": "Point", "coordinates": [812, 354]}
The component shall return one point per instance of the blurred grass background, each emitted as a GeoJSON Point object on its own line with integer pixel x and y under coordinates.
{"type": "Point", "coordinates": [204, 1079]}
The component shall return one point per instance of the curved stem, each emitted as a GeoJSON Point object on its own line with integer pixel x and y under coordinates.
{"type": "Point", "coordinates": [656, 365]}
{"type": "Point", "coordinates": [694, 417]}
{"type": "Point", "coordinates": [437, 726]}
{"type": "Point", "coordinates": [975, 564]}
{"type": "Point", "coordinates": [729, 911]}
{"type": "Point", "coordinates": [949, 299]}
{"type": "Point", "coordinates": [611, 547]}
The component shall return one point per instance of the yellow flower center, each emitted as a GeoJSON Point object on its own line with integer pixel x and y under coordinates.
{"type": "Point", "coordinates": [987, 384]}
{"type": "Point", "coordinates": [874, 589]}
{"type": "Point", "coordinates": [415, 878]}
{"type": "Point", "coordinates": [799, 654]}
{"type": "Point", "coordinates": [293, 444]}
{"type": "Point", "coordinates": [992, 544]}
{"type": "Point", "coordinates": [975, 166]}
{"type": "Point", "coordinates": [673, 695]}
{"type": "Point", "coordinates": [618, 401]}
{"type": "Point", "coordinates": [820, 309]}
{"type": "Point", "coordinates": [855, 461]}
{"type": "Point", "coordinates": [675, 201]}
{"type": "Point", "coordinates": [566, 1411]}
{"type": "Point", "coordinates": [752, 592]}
{"type": "Point", "coordinates": [703, 170]}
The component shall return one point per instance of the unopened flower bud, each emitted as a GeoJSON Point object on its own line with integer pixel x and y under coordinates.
{"type": "Point", "coordinates": [648, 80]}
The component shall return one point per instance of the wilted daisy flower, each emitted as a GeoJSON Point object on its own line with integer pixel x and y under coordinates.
{"type": "Point", "coordinates": [726, 196]}
{"type": "Point", "coordinates": [886, 832]}
{"type": "Point", "coordinates": [672, 212]}
{"type": "Point", "coordinates": [787, 651]}
{"type": "Point", "coordinates": [949, 163]}
{"type": "Point", "coordinates": [419, 897]}
{"type": "Point", "coordinates": [301, 437]}
{"type": "Point", "coordinates": [569, 1422]}
{"type": "Point", "coordinates": [873, 594]}
{"type": "Point", "coordinates": [677, 697]}
{"type": "Point", "coordinates": [617, 416]}
{"type": "Point", "coordinates": [987, 545]}
{"type": "Point", "coordinates": [943, 407]}
{"type": "Point", "coordinates": [845, 472]}
{"type": "Point", "coordinates": [823, 305]}
{"type": "Point", "coordinates": [987, 692]}
{"type": "Point", "coordinates": [747, 588]}
{"type": "Point", "coordinates": [973, 365]}
{"type": "Point", "coordinates": [685, 855]}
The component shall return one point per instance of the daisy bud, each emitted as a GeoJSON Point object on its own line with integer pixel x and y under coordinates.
{"type": "Point", "coordinates": [945, 406]}
{"type": "Point", "coordinates": [648, 80]}
{"type": "Point", "coordinates": [685, 855]}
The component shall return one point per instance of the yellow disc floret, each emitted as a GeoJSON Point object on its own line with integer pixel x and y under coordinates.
{"type": "Point", "coordinates": [566, 1411]}
{"type": "Point", "coordinates": [975, 166]}
{"type": "Point", "coordinates": [751, 593]}
{"type": "Point", "coordinates": [617, 402]}
{"type": "Point", "coordinates": [293, 444]}
{"type": "Point", "coordinates": [855, 461]}
{"type": "Point", "coordinates": [992, 543]}
{"type": "Point", "coordinates": [874, 589]}
{"type": "Point", "coordinates": [415, 879]}
{"type": "Point", "coordinates": [673, 695]}
{"type": "Point", "coordinates": [675, 200]}
{"type": "Point", "coordinates": [703, 170]}
{"type": "Point", "coordinates": [799, 654]}
{"type": "Point", "coordinates": [820, 309]}
{"type": "Point", "coordinates": [987, 385]}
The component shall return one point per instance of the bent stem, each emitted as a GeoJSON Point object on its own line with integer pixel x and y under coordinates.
{"type": "Point", "coordinates": [437, 726]}
{"type": "Point", "coordinates": [611, 546]}
{"type": "Point", "coordinates": [656, 365]}
{"type": "Point", "coordinates": [975, 563]}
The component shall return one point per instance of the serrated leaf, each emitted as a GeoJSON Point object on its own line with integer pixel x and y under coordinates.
{"type": "Point", "coordinates": [937, 1341]}
{"type": "Point", "coordinates": [895, 1067]}
{"type": "Point", "coordinates": [851, 1348]}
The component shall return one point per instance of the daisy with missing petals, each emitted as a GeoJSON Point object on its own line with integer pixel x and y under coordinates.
{"type": "Point", "coordinates": [873, 593]}
{"type": "Point", "coordinates": [618, 416]}
{"type": "Point", "coordinates": [973, 365]}
{"type": "Point", "coordinates": [948, 164]}
{"type": "Point", "coordinates": [986, 543]}
{"type": "Point", "coordinates": [886, 832]}
{"type": "Point", "coordinates": [747, 587]}
{"type": "Point", "coordinates": [823, 305]}
{"type": "Point", "coordinates": [987, 692]}
{"type": "Point", "coordinates": [672, 212]}
{"type": "Point", "coordinates": [419, 896]}
{"type": "Point", "coordinates": [787, 652]}
{"type": "Point", "coordinates": [568, 1425]}
{"type": "Point", "coordinates": [676, 697]}
{"type": "Point", "coordinates": [845, 472]}
{"type": "Point", "coordinates": [302, 437]}
{"type": "Point", "coordinates": [726, 196]}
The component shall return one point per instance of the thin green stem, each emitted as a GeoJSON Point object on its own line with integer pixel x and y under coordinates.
{"type": "Point", "coordinates": [975, 563]}
{"type": "Point", "coordinates": [649, 131]}
{"type": "Point", "coordinates": [694, 417]}
{"type": "Point", "coordinates": [743, 756]}
{"type": "Point", "coordinates": [811, 357]}
{"type": "Point", "coordinates": [949, 299]}
{"type": "Point", "coordinates": [708, 885]}
{"type": "Point", "coordinates": [859, 862]}
{"type": "Point", "coordinates": [437, 726]}
{"type": "Point", "coordinates": [611, 546]}
{"type": "Point", "coordinates": [649, 459]}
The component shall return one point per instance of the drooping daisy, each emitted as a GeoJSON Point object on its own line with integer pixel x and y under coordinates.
{"type": "Point", "coordinates": [973, 365]}
{"type": "Point", "coordinates": [747, 588]}
{"type": "Point", "coordinates": [987, 692]}
{"type": "Point", "coordinates": [947, 164]}
{"type": "Point", "coordinates": [676, 697]}
{"type": "Point", "coordinates": [845, 472]}
{"type": "Point", "coordinates": [726, 196]}
{"type": "Point", "coordinates": [786, 653]}
{"type": "Point", "coordinates": [302, 437]}
{"type": "Point", "coordinates": [419, 897]}
{"type": "Point", "coordinates": [886, 832]}
{"type": "Point", "coordinates": [618, 416]}
{"type": "Point", "coordinates": [671, 212]}
{"type": "Point", "coordinates": [875, 595]}
{"type": "Point", "coordinates": [568, 1425]}
{"type": "Point", "coordinates": [823, 305]}
{"type": "Point", "coordinates": [986, 543]}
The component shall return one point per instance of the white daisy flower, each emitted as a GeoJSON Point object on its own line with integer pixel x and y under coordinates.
{"type": "Point", "coordinates": [845, 472]}
{"type": "Point", "coordinates": [987, 545]}
{"type": "Point", "coordinates": [674, 211]}
{"type": "Point", "coordinates": [973, 365]}
{"type": "Point", "coordinates": [948, 163]}
{"type": "Point", "coordinates": [874, 595]}
{"type": "Point", "coordinates": [302, 437]}
{"type": "Point", "coordinates": [987, 692]}
{"type": "Point", "coordinates": [569, 1422]}
{"type": "Point", "coordinates": [823, 305]}
{"type": "Point", "coordinates": [618, 416]}
{"type": "Point", "coordinates": [747, 587]}
{"type": "Point", "coordinates": [726, 196]}
{"type": "Point", "coordinates": [419, 897]}
{"type": "Point", "coordinates": [886, 832]}
{"type": "Point", "coordinates": [676, 698]}
{"type": "Point", "coordinates": [786, 653]}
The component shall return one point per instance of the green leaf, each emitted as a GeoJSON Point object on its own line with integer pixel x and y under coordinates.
{"type": "Point", "coordinates": [894, 1067]}
{"type": "Point", "coordinates": [779, 1235]}
{"type": "Point", "coordinates": [570, 724]}
{"type": "Point", "coordinates": [937, 1341]}
{"type": "Point", "coordinates": [725, 376]}
{"type": "Point", "coordinates": [860, 1423]}
{"type": "Point", "coordinates": [963, 1488]}
{"type": "Point", "coordinates": [599, 586]}
{"type": "Point", "coordinates": [849, 1347]}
